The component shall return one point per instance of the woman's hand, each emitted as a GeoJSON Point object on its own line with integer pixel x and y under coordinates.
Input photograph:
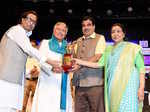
{"type": "Point", "coordinates": [141, 88]}
{"type": "Point", "coordinates": [141, 94]}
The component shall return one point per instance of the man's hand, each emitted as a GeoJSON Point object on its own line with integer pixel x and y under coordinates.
{"type": "Point", "coordinates": [34, 72]}
{"type": "Point", "coordinates": [75, 67]}
{"type": "Point", "coordinates": [54, 63]}
{"type": "Point", "coordinates": [57, 69]}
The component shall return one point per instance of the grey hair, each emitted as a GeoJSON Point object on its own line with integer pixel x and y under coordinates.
{"type": "Point", "coordinates": [58, 23]}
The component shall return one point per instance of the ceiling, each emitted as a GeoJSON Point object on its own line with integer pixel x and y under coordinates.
{"type": "Point", "coordinates": [133, 13]}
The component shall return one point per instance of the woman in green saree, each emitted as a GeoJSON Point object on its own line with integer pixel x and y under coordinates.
{"type": "Point", "coordinates": [124, 73]}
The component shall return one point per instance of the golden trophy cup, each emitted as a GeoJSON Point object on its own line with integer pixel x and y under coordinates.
{"type": "Point", "coordinates": [67, 63]}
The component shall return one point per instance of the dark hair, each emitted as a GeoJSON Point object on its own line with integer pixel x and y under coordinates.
{"type": "Point", "coordinates": [89, 18]}
{"type": "Point", "coordinates": [123, 29]}
{"type": "Point", "coordinates": [26, 13]}
{"type": "Point", "coordinates": [121, 26]}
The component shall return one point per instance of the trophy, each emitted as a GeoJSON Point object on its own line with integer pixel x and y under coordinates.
{"type": "Point", "coordinates": [67, 63]}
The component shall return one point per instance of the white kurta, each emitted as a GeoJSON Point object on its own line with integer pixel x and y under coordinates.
{"type": "Point", "coordinates": [11, 95]}
{"type": "Point", "coordinates": [48, 91]}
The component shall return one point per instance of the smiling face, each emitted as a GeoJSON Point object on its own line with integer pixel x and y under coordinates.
{"type": "Point", "coordinates": [117, 34]}
{"type": "Point", "coordinates": [87, 27]}
{"type": "Point", "coordinates": [60, 31]}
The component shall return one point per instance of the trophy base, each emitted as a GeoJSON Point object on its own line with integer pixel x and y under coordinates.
{"type": "Point", "coordinates": [66, 68]}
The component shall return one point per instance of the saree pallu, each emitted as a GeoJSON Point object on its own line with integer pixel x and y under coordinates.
{"type": "Point", "coordinates": [121, 77]}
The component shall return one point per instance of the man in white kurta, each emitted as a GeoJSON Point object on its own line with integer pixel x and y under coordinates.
{"type": "Point", "coordinates": [15, 46]}
{"type": "Point", "coordinates": [47, 96]}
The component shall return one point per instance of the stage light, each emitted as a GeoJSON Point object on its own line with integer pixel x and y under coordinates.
{"type": "Point", "coordinates": [51, 1]}
{"type": "Point", "coordinates": [35, 1]}
{"type": "Point", "coordinates": [90, 0]}
{"type": "Point", "coordinates": [98, 17]}
{"type": "Point", "coordinates": [70, 11]}
{"type": "Point", "coordinates": [89, 10]}
{"type": "Point", "coordinates": [52, 11]}
{"type": "Point", "coordinates": [130, 9]}
{"type": "Point", "coordinates": [66, 1]}
{"type": "Point", "coordinates": [148, 9]}
{"type": "Point", "coordinates": [109, 12]}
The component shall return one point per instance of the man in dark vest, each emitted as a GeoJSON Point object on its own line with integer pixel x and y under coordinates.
{"type": "Point", "coordinates": [88, 82]}
{"type": "Point", "coordinates": [15, 47]}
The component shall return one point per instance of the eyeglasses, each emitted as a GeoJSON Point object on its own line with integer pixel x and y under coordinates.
{"type": "Point", "coordinates": [61, 29]}
{"type": "Point", "coordinates": [31, 20]}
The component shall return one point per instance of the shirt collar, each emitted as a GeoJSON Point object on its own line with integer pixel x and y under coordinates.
{"type": "Point", "coordinates": [28, 33]}
{"type": "Point", "coordinates": [93, 35]}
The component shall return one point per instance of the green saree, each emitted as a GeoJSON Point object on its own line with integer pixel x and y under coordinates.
{"type": "Point", "coordinates": [123, 64]}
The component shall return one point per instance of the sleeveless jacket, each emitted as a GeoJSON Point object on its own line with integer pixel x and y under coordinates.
{"type": "Point", "coordinates": [85, 76]}
{"type": "Point", "coordinates": [12, 61]}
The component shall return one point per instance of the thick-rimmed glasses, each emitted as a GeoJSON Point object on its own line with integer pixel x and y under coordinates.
{"type": "Point", "coordinates": [31, 20]}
